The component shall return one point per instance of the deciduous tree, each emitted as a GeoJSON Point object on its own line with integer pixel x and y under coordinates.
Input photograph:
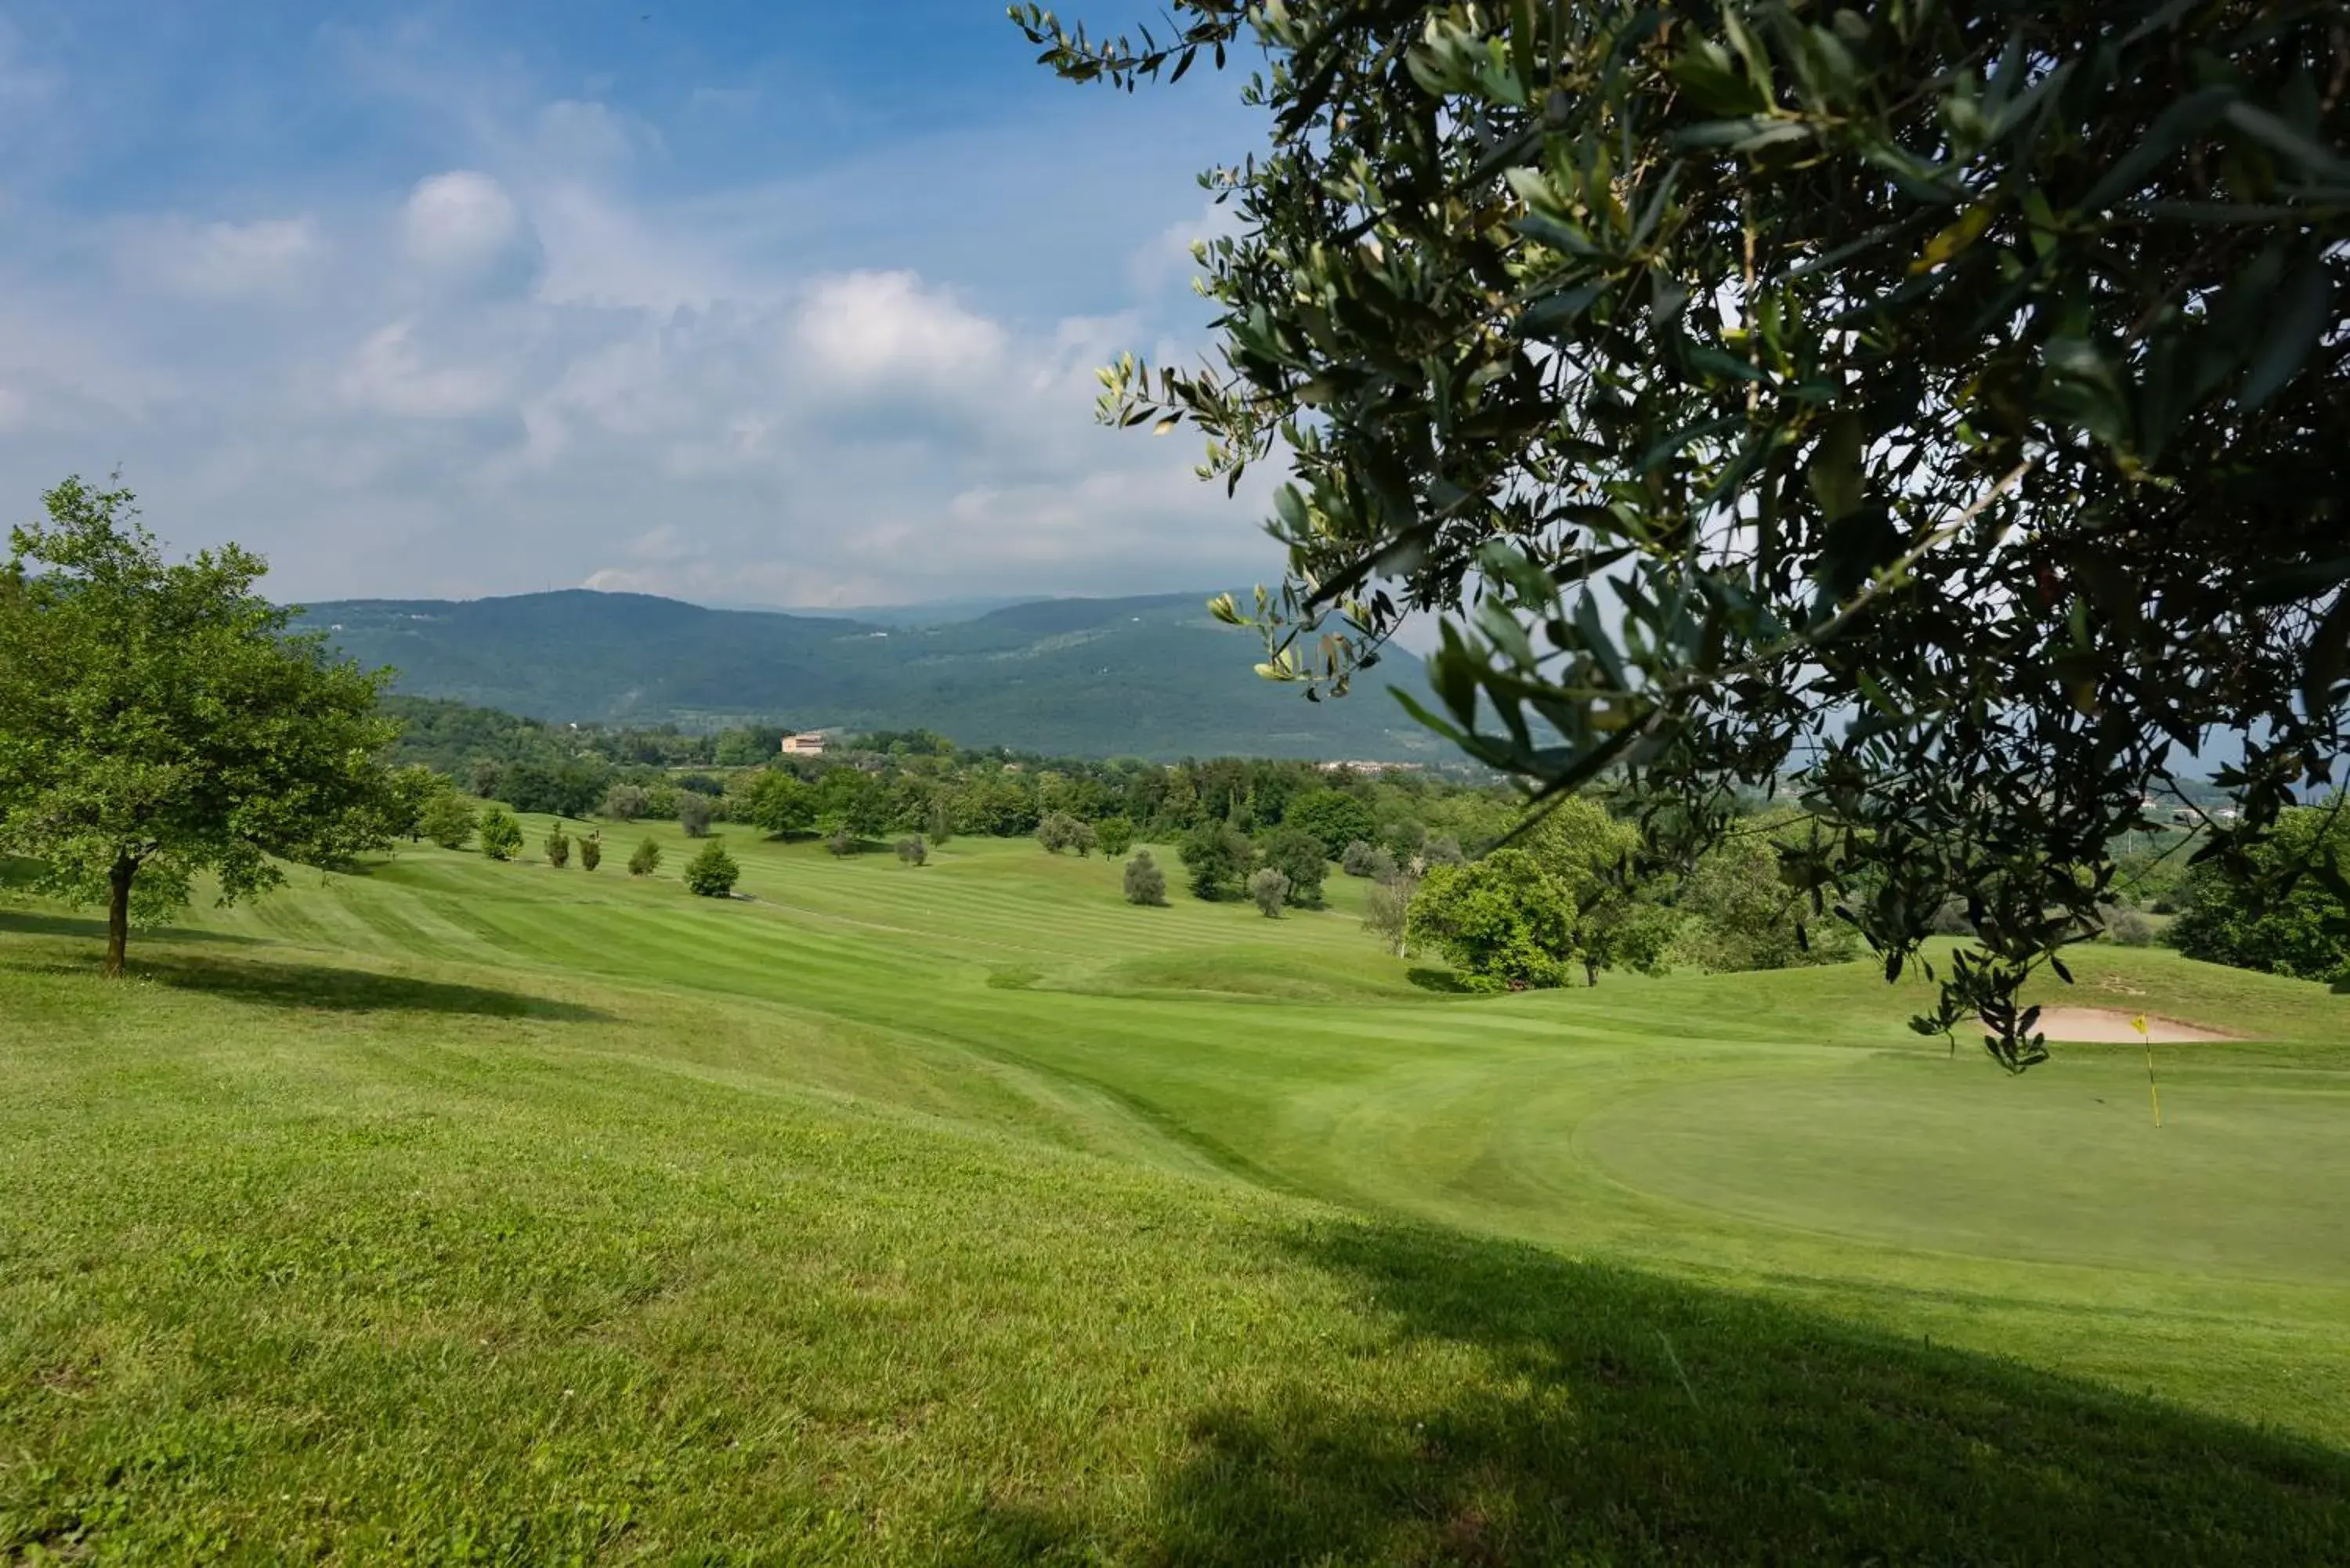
{"type": "Point", "coordinates": [1215, 857]}
{"type": "Point", "coordinates": [500, 834]}
{"type": "Point", "coordinates": [1298, 856]}
{"type": "Point", "coordinates": [1504, 922]}
{"type": "Point", "coordinates": [157, 720]}
{"type": "Point", "coordinates": [446, 820]}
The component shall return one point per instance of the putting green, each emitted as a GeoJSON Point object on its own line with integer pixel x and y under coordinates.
{"type": "Point", "coordinates": [2064, 1164]}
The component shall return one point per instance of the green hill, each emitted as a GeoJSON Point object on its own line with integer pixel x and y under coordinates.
{"type": "Point", "coordinates": [1151, 677]}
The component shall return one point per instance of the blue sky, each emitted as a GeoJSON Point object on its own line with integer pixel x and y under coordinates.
{"type": "Point", "coordinates": [776, 303]}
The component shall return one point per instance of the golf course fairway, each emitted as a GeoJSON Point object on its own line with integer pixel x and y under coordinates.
{"type": "Point", "coordinates": [468, 1211]}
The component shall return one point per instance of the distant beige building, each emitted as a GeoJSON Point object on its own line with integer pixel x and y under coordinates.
{"type": "Point", "coordinates": [810, 744]}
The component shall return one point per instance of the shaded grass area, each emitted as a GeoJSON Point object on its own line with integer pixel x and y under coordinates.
{"type": "Point", "coordinates": [401, 1286]}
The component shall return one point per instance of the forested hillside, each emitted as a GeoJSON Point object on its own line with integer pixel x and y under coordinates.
{"type": "Point", "coordinates": [1151, 677]}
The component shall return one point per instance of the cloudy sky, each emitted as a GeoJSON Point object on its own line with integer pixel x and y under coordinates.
{"type": "Point", "coordinates": [747, 301]}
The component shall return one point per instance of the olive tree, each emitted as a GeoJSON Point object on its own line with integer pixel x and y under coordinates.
{"type": "Point", "coordinates": [1936, 411]}
{"type": "Point", "coordinates": [158, 721]}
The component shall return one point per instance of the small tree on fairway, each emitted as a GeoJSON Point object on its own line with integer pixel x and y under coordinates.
{"type": "Point", "coordinates": [625, 803]}
{"type": "Point", "coordinates": [840, 841]}
{"type": "Point", "coordinates": [1115, 833]}
{"type": "Point", "coordinates": [500, 834]}
{"type": "Point", "coordinates": [1298, 856]}
{"type": "Point", "coordinates": [1270, 889]}
{"type": "Point", "coordinates": [913, 851]}
{"type": "Point", "coordinates": [157, 721]}
{"type": "Point", "coordinates": [558, 845]}
{"type": "Point", "coordinates": [781, 803]}
{"type": "Point", "coordinates": [712, 872]}
{"type": "Point", "coordinates": [1214, 858]}
{"type": "Point", "coordinates": [446, 820]}
{"type": "Point", "coordinates": [693, 811]}
{"type": "Point", "coordinates": [591, 850]}
{"type": "Point", "coordinates": [1145, 882]}
{"type": "Point", "coordinates": [1387, 910]}
{"type": "Point", "coordinates": [645, 861]}
{"type": "Point", "coordinates": [411, 789]}
{"type": "Point", "coordinates": [941, 820]}
{"type": "Point", "coordinates": [1058, 831]}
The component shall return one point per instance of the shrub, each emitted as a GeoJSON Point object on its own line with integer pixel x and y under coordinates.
{"type": "Point", "coordinates": [1214, 858]}
{"type": "Point", "coordinates": [840, 841]}
{"type": "Point", "coordinates": [941, 820]}
{"type": "Point", "coordinates": [701, 783]}
{"type": "Point", "coordinates": [1443, 849]}
{"type": "Point", "coordinates": [500, 834]}
{"type": "Point", "coordinates": [646, 860]}
{"type": "Point", "coordinates": [693, 813]}
{"type": "Point", "coordinates": [446, 821]}
{"type": "Point", "coordinates": [1115, 833]}
{"type": "Point", "coordinates": [712, 872]}
{"type": "Point", "coordinates": [913, 851]}
{"type": "Point", "coordinates": [1145, 882]}
{"type": "Point", "coordinates": [1298, 856]}
{"type": "Point", "coordinates": [1359, 857]}
{"type": "Point", "coordinates": [626, 803]}
{"type": "Point", "coordinates": [2130, 930]}
{"type": "Point", "coordinates": [591, 851]}
{"type": "Point", "coordinates": [1270, 889]}
{"type": "Point", "coordinates": [558, 845]}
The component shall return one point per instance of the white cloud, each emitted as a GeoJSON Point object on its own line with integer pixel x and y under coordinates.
{"type": "Point", "coordinates": [460, 221]}
{"type": "Point", "coordinates": [268, 257]}
{"type": "Point", "coordinates": [390, 374]}
{"type": "Point", "coordinates": [885, 328]}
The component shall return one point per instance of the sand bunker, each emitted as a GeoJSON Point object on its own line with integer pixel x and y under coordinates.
{"type": "Point", "coordinates": [2104, 1026]}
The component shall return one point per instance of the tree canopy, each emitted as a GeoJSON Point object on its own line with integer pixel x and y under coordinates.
{"type": "Point", "coordinates": [1938, 410]}
{"type": "Point", "coordinates": [157, 723]}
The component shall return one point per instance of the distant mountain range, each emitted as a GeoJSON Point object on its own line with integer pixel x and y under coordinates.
{"type": "Point", "coordinates": [1153, 677]}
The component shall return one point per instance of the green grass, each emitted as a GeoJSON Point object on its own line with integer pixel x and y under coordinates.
{"type": "Point", "coordinates": [467, 1213]}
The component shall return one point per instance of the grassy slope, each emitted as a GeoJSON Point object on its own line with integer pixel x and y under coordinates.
{"type": "Point", "coordinates": [467, 1210]}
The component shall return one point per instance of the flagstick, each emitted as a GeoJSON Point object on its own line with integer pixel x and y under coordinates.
{"type": "Point", "coordinates": [2152, 1094]}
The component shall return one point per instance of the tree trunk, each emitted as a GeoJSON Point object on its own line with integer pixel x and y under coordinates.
{"type": "Point", "coordinates": [117, 913]}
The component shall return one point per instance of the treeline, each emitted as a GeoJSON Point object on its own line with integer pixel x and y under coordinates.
{"type": "Point", "coordinates": [476, 747]}
{"type": "Point", "coordinates": [869, 787]}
